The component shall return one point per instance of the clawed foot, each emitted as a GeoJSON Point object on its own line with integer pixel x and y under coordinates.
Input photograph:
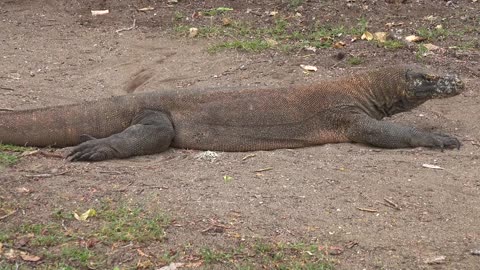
{"type": "Point", "coordinates": [92, 150]}
{"type": "Point", "coordinates": [444, 141]}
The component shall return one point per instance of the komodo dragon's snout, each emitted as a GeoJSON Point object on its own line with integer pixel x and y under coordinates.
{"type": "Point", "coordinates": [426, 86]}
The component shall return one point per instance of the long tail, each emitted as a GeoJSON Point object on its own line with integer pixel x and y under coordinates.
{"type": "Point", "coordinates": [63, 125]}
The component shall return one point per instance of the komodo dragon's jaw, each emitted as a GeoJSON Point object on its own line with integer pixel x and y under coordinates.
{"type": "Point", "coordinates": [424, 86]}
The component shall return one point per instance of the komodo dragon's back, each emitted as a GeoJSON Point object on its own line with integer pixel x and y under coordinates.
{"type": "Point", "coordinates": [347, 109]}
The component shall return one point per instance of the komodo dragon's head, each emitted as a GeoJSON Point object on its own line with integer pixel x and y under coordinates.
{"type": "Point", "coordinates": [422, 86]}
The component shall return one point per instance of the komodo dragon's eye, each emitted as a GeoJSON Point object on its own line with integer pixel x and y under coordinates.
{"type": "Point", "coordinates": [429, 78]}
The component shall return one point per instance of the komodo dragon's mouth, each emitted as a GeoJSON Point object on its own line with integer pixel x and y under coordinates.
{"type": "Point", "coordinates": [449, 85]}
{"type": "Point", "coordinates": [423, 85]}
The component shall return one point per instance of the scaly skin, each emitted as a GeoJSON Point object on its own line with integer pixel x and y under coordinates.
{"type": "Point", "coordinates": [346, 109]}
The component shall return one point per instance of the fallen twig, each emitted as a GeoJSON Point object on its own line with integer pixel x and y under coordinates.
{"type": "Point", "coordinates": [367, 210]}
{"type": "Point", "coordinates": [7, 88]}
{"type": "Point", "coordinates": [248, 156]}
{"type": "Point", "coordinates": [128, 28]}
{"type": "Point", "coordinates": [7, 215]}
{"type": "Point", "coordinates": [6, 109]}
{"type": "Point", "coordinates": [45, 175]}
{"type": "Point", "coordinates": [264, 169]}
{"type": "Point", "coordinates": [391, 203]}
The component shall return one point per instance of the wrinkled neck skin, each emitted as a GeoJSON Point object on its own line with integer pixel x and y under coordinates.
{"type": "Point", "coordinates": [390, 94]}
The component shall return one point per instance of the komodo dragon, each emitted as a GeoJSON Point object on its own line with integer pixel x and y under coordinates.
{"type": "Point", "coordinates": [345, 109]}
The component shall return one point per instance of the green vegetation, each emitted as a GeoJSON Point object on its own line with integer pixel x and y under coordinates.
{"type": "Point", "coordinates": [293, 4]}
{"type": "Point", "coordinates": [68, 243]}
{"type": "Point", "coordinates": [274, 255]}
{"type": "Point", "coordinates": [354, 61]}
{"type": "Point", "coordinates": [284, 33]}
{"type": "Point", "coordinates": [126, 224]}
{"type": "Point", "coordinates": [178, 16]}
{"type": "Point", "coordinates": [77, 255]}
{"type": "Point", "coordinates": [392, 44]}
{"type": "Point", "coordinates": [421, 52]}
{"type": "Point", "coordinates": [216, 11]}
{"type": "Point", "coordinates": [244, 45]}
{"type": "Point", "coordinates": [10, 154]}
{"type": "Point", "coordinates": [433, 34]}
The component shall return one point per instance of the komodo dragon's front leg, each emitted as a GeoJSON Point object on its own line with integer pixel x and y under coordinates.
{"type": "Point", "coordinates": [390, 135]}
{"type": "Point", "coordinates": [150, 132]}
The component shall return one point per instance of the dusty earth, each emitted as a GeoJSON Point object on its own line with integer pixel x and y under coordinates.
{"type": "Point", "coordinates": [375, 208]}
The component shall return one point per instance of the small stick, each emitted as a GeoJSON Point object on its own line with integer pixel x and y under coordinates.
{"type": "Point", "coordinates": [7, 88]}
{"type": "Point", "coordinates": [6, 109]}
{"type": "Point", "coordinates": [7, 215]}
{"type": "Point", "coordinates": [367, 210]}
{"type": "Point", "coordinates": [248, 156]}
{"type": "Point", "coordinates": [45, 175]}
{"type": "Point", "coordinates": [128, 28]}
{"type": "Point", "coordinates": [391, 203]}
{"type": "Point", "coordinates": [264, 169]}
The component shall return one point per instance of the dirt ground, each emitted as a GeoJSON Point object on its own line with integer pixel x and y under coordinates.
{"type": "Point", "coordinates": [54, 52]}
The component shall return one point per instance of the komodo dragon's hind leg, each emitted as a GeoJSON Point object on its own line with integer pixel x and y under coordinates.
{"type": "Point", "coordinates": [390, 135]}
{"type": "Point", "coordinates": [151, 132]}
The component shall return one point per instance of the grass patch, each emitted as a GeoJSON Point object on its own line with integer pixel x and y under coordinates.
{"type": "Point", "coordinates": [9, 154]}
{"type": "Point", "coordinates": [421, 52]}
{"type": "Point", "coordinates": [271, 255]}
{"type": "Point", "coordinates": [216, 11]}
{"type": "Point", "coordinates": [77, 255]}
{"type": "Point", "coordinates": [131, 224]}
{"type": "Point", "coordinates": [293, 4]}
{"type": "Point", "coordinates": [7, 159]}
{"type": "Point", "coordinates": [393, 44]}
{"type": "Point", "coordinates": [433, 34]}
{"type": "Point", "coordinates": [44, 235]}
{"type": "Point", "coordinates": [354, 61]}
{"type": "Point", "coordinates": [66, 243]}
{"type": "Point", "coordinates": [285, 31]}
{"type": "Point", "coordinates": [242, 45]}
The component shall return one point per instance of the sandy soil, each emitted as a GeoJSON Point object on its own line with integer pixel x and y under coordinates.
{"type": "Point", "coordinates": [55, 52]}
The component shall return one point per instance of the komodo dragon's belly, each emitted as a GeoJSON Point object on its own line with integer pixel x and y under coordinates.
{"type": "Point", "coordinates": [195, 135]}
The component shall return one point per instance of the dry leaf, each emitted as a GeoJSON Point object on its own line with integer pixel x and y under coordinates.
{"type": "Point", "coordinates": [226, 21]}
{"type": "Point", "coordinates": [29, 257]}
{"type": "Point", "coordinates": [430, 18]}
{"type": "Point", "coordinates": [10, 254]}
{"type": "Point", "coordinates": [30, 153]}
{"type": "Point", "coordinates": [86, 215]}
{"type": "Point", "coordinates": [145, 264]}
{"type": "Point", "coordinates": [310, 48]}
{"type": "Point", "coordinates": [192, 32]}
{"type": "Point", "coordinates": [271, 42]}
{"type": "Point", "coordinates": [431, 47]}
{"type": "Point", "coordinates": [141, 253]}
{"type": "Point", "coordinates": [380, 36]}
{"type": "Point", "coordinates": [339, 44]}
{"type": "Point", "coordinates": [309, 68]}
{"type": "Point", "coordinates": [414, 38]}
{"type": "Point", "coordinates": [367, 35]}
{"type": "Point", "coordinates": [100, 12]}
{"type": "Point", "coordinates": [273, 13]}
